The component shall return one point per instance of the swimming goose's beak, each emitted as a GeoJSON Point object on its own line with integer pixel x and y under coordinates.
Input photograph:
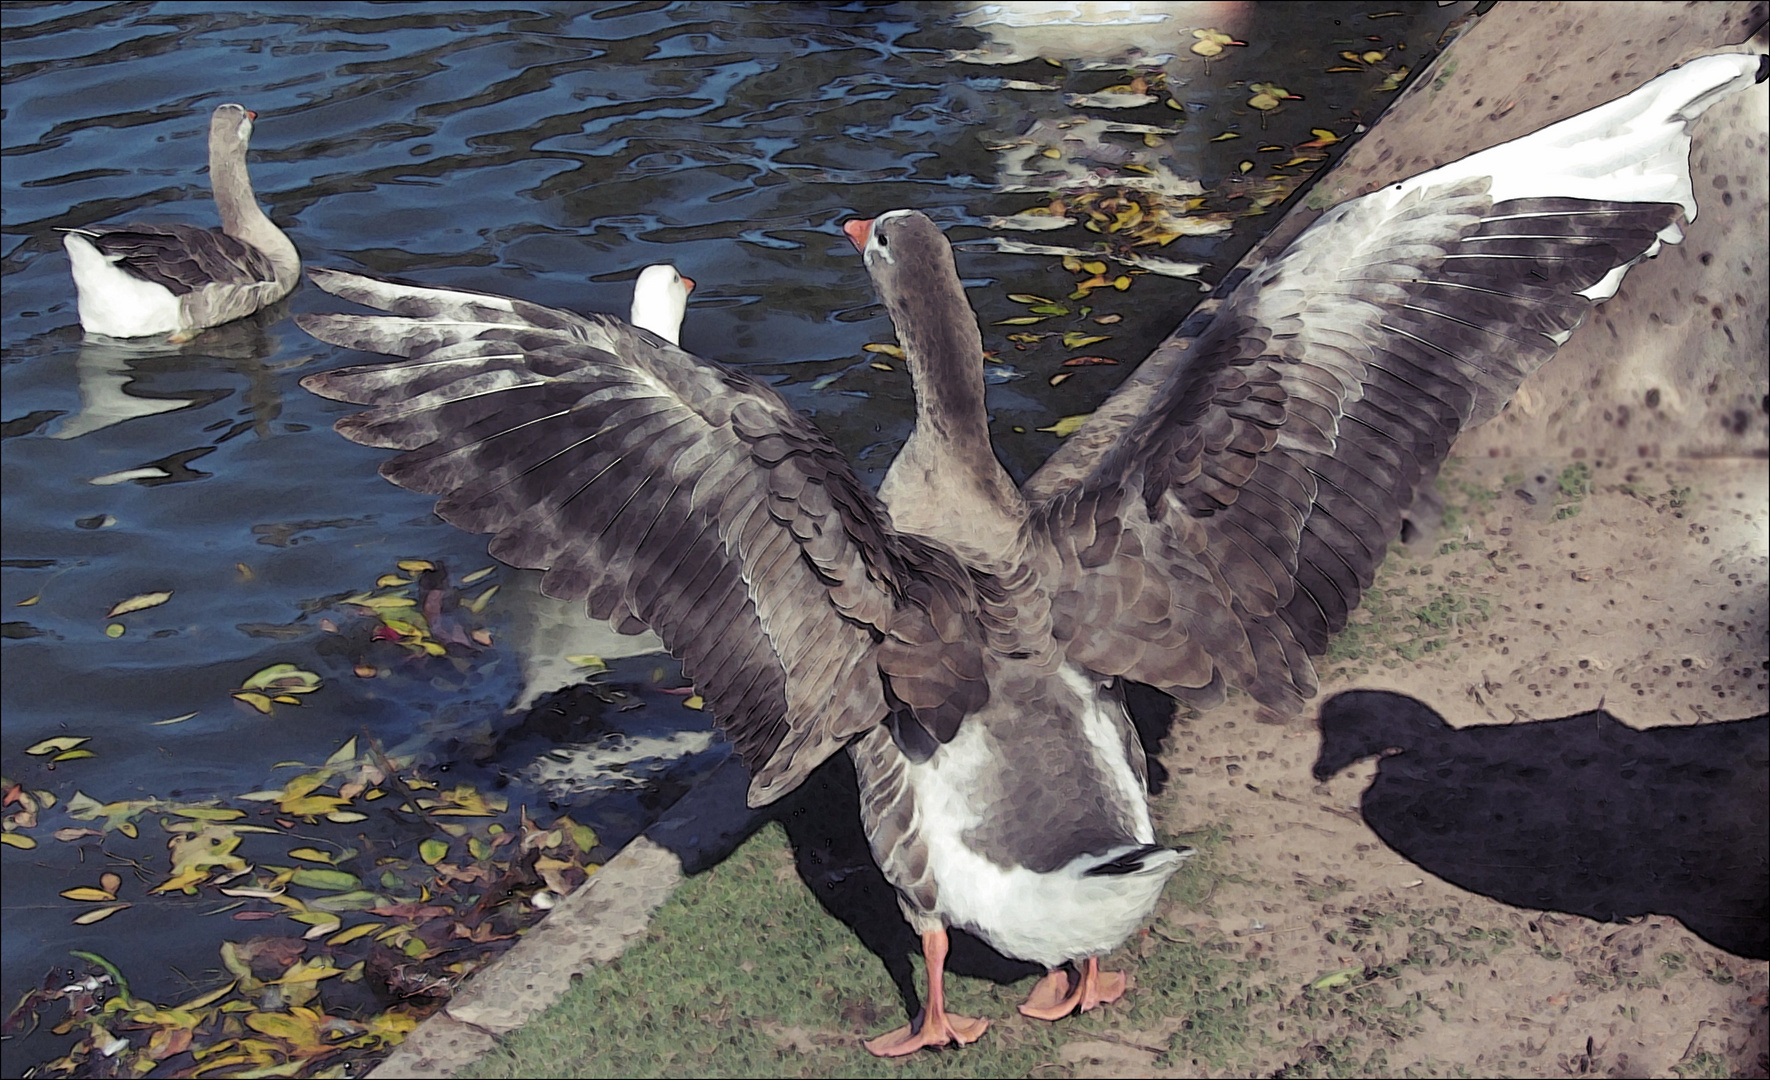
{"type": "Point", "coordinates": [687, 282]}
{"type": "Point", "coordinates": [859, 232]}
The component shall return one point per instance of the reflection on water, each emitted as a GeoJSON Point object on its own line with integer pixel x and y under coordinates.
{"type": "Point", "coordinates": [548, 153]}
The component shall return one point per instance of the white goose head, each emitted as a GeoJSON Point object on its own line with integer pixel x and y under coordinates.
{"type": "Point", "coordinates": [660, 300]}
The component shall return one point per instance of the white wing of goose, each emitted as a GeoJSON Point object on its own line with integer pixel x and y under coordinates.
{"type": "Point", "coordinates": [1231, 528]}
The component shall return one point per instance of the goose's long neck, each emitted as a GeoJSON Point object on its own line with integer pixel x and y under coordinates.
{"type": "Point", "coordinates": [241, 217]}
{"type": "Point", "coordinates": [946, 483]}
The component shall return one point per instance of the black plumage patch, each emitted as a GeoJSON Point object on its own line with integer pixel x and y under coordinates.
{"type": "Point", "coordinates": [1129, 863]}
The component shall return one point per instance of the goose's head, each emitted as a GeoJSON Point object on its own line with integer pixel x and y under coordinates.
{"type": "Point", "coordinates": [911, 264]}
{"type": "Point", "coordinates": [231, 123]}
{"type": "Point", "coordinates": [903, 250]}
{"type": "Point", "coordinates": [660, 300]}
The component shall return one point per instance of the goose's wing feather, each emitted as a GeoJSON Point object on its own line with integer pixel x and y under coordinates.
{"type": "Point", "coordinates": [183, 258]}
{"type": "Point", "coordinates": [1243, 513]}
{"type": "Point", "coordinates": [666, 492]}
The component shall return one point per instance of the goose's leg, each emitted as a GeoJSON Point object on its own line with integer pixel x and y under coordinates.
{"type": "Point", "coordinates": [935, 1026]}
{"type": "Point", "coordinates": [1056, 996]}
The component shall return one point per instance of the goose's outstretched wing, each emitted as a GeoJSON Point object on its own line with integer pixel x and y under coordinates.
{"type": "Point", "coordinates": [1243, 513]}
{"type": "Point", "coordinates": [672, 493]}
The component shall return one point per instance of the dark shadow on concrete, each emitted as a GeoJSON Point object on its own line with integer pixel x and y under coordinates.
{"type": "Point", "coordinates": [1584, 814]}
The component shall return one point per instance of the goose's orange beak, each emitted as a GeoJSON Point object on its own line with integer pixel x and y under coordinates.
{"type": "Point", "coordinates": [859, 232]}
{"type": "Point", "coordinates": [687, 282]}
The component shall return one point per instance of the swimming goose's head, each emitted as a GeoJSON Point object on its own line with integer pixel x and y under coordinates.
{"type": "Point", "coordinates": [660, 300]}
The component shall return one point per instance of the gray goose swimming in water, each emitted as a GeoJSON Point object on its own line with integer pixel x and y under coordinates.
{"type": "Point", "coordinates": [963, 643]}
{"type": "Point", "coordinates": [137, 280]}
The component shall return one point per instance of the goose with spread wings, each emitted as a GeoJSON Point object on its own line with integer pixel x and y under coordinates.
{"type": "Point", "coordinates": [140, 280]}
{"type": "Point", "coordinates": [963, 643]}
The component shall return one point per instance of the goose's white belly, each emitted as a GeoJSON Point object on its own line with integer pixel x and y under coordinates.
{"type": "Point", "coordinates": [114, 302]}
{"type": "Point", "coordinates": [1048, 917]}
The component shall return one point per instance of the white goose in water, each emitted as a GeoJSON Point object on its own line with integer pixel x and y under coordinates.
{"type": "Point", "coordinates": [963, 643]}
{"type": "Point", "coordinates": [137, 280]}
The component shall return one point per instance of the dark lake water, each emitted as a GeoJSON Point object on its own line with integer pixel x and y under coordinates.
{"type": "Point", "coordinates": [547, 151]}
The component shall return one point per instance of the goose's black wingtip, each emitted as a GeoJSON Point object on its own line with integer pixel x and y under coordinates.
{"type": "Point", "coordinates": [1763, 67]}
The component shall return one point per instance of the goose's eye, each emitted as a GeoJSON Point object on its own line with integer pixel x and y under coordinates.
{"type": "Point", "coordinates": [881, 239]}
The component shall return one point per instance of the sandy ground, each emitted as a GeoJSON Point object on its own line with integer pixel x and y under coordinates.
{"type": "Point", "coordinates": [1606, 606]}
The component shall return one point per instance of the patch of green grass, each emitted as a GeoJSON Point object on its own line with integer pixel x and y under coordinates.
{"type": "Point", "coordinates": [1703, 1064]}
{"type": "Point", "coordinates": [743, 974]}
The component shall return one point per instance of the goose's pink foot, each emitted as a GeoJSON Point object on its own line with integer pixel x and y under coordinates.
{"type": "Point", "coordinates": [1064, 991]}
{"type": "Point", "coordinates": [935, 1026]}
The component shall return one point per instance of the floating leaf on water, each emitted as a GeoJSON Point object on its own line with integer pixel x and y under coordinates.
{"type": "Point", "coordinates": [1323, 137]}
{"type": "Point", "coordinates": [1108, 320]}
{"type": "Point", "coordinates": [345, 817]}
{"type": "Point", "coordinates": [29, 600]}
{"type": "Point", "coordinates": [115, 630]}
{"type": "Point", "coordinates": [308, 854]}
{"type": "Point", "coordinates": [587, 660]}
{"type": "Point", "coordinates": [1052, 152]}
{"type": "Point", "coordinates": [357, 931]}
{"type": "Point", "coordinates": [208, 813]}
{"type": "Point", "coordinates": [1060, 376]}
{"type": "Point", "coordinates": [1049, 309]}
{"type": "Point", "coordinates": [1296, 161]}
{"type": "Point", "coordinates": [415, 566]}
{"type": "Point", "coordinates": [1226, 136]}
{"type": "Point", "coordinates": [208, 999]}
{"type": "Point", "coordinates": [1246, 166]}
{"type": "Point", "coordinates": [477, 605]}
{"type": "Point", "coordinates": [1372, 56]}
{"type": "Point", "coordinates": [1027, 298]}
{"type": "Point", "coordinates": [694, 702]}
{"type": "Point", "coordinates": [344, 754]}
{"type": "Point", "coordinates": [477, 575]}
{"type": "Point", "coordinates": [391, 581]}
{"type": "Point", "coordinates": [333, 880]}
{"type": "Point", "coordinates": [365, 671]}
{"type": "Point", "coordinates": [56, 745]}
{"type": "Point", "coordinates": [140, 602]}
{"type": "Point", "coordinates": [1022, 320]}
{"type": "Point", "coordinates": [173, 720]}
{"type": "Point", "coordinates": [482, 637]}
{"type": "Point", "coordinates": [89, 894]}
{"type": "Point", "coordinates": [1085, 361]}
{"type": "Point", "coordinates": [73, 755]}
{"type": "Point", "coordinates": [878, 366]}
{"type": "Point", "coordinates": [432, 851]}
{"type": "Point", "coordinates": [1394, 81]}
{"type": "Point", "coordinates": [257, 701]}
{"type": "Point", "coordinates": [99, 914]}
{"type": "Point", "coordinates": [283, 679]}
{"type": "Point", "coordinates": [69, 835]}
{"type": "Point", "coordinates": [882, 347]}
{"type": "Point", "coordinates": [110, 882]}
{"type": "Point", "coordinates": [1068, 425]}
{"type": "Point", "coordinates": [1075, 339]}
